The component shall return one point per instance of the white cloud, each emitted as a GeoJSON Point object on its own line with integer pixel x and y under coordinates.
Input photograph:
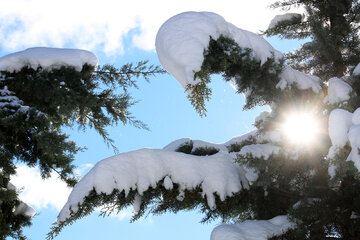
{"type": "Point", "coordinates": [51, 192]}
{"type": "Point", "coordinates": [40, 193]}
{"type": "Point", "coordinates": [104, 25]}
{"type": "Point", "coordinates": [37, 192]}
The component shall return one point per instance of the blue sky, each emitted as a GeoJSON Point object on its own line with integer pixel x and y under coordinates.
{"type": "Point", "coordinates": [121, 33]}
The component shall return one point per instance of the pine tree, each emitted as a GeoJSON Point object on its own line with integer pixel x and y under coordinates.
{"type": "Point", "coordinates": [37, 102]}
{"type": "Point", "coordinates": [316, 185]}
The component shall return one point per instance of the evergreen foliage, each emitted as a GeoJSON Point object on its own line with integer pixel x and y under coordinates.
{"type": "Point", "coordinates": [295, 181]}
{"type": "Point", "coordinates": [237, 65]}
{"type": "Point", "coordinates": [34, 106]}
{"type": "Point", "coordinates": [332, 27]}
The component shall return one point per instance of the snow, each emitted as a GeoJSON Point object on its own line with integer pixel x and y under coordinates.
{"type": "Point", "coordinates": [356, 117]}
{"type": "Point", "coordinates": [340, 122]}
{"type": "Point", "coordinates": [8, 100]}
{"type": "Point", "coordinates": [222, 147]}
{"type": "Point", "coordinates": [260, 150]}
{"type": "Point", "coordinates": [302, 81]}
{"type": "Point", "coordinates": [338, 91]}
{"type": "Point", "coordinates": [182, 39]}
{"type": "Point", "coordinates": [283, 17]}
{"type": "Point", "coordinates": [239, 139]}
{"type": "Point", "coordinates": [262, 116]}
{"type": "Point", "coordinates": [357, 70]}
{"type": "Point", "coordinates": [137, 203]}
{"type": "Point", "coordinates": [344, 127]}
{"type": "Point", "coordinates": [196, 144]}
{"type": "Point", "coordinates": [168, 185]}
{"type": "Point", "coordinates": [23, 208]}
{"type": "Point", "coordinates": [273, 136]}
{"type": "Point", "coordinates": [252, 229]}
{"type": "Point", "coordinates": [48, 58]}
{"type": "Point", "coordinates": [354, 138]}
{"type": "Point", "coordinates": [141, 169]}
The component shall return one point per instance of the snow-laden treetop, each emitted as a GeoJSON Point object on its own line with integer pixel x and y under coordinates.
{"type": "Point", "coordinates": [181, 41]}
{"type": "Point", "coordinates": [48, 58]}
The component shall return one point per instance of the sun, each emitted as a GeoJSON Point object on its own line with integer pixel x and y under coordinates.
{"type": "Point", "coordinates": [300, 128]}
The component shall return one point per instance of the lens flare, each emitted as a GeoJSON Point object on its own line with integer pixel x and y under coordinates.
{"type": "Point", "coordinates": [300, 128]}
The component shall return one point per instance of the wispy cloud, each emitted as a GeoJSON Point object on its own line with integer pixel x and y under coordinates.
{"type": "Point", "coordinates": [104, 25]}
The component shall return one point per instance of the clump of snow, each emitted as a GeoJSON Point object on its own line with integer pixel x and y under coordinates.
{"type": "Point", "coordinates": [139, 170]}
{"type": "Point", "coordinates": [260, 150]}
{"type": "Point", "coordinates": [182, 39]}
{"type": "Point", "coordinates": [284, 17]}
{"type": "Point", "coordinates": [222, 147]}
{"type": "Point", "coordinates": [251, 174]}
{"type": "Point", "coordinates": [273, 136]}
{"type": "Point", "coordinates": [357, 70]}
{"type": "Point", "coordinates": [333, 150]}
{"type": "Point", "coordinates": [240, 139]}
{"type": "Point", "coordinates": [168, 185]}
{"type": "Point", "coordinates": [48, 58]}
{"type": "Point", "coordinates": [23, 208]}
{"type": "Point", "coordinates": [252, 229]}
{"type": "Point", "coordinates": [8, 100]}
{"type": "Point", "coordinates": [345, 127]}
{"type": "Point", "coordinates": [302, 81]}
{"type": "Point", "coordinates": [356, 117]}
{"type": "Point", "coordinates": [354, 138]}
{"type": "Point", "coordinates": [262, 116]}
{"type": "Point", "coordinates": [338, 91]}
{"type": "Point", "coordinates": [177, 143]}
{"type": "Point", "coordinates": [137, 203]}
{"type": "Point", "coordinates": [340, 122]}
{"type": "Point", "coordinates": [332, 170]}
{"type": "Point", "coordinates": [354, 215]}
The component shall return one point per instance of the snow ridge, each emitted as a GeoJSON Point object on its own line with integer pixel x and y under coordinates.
{"type": "Point", "coordinates": [252, 229]}
{"type": "Point", "coordinates": [47, 58]}
{"type": "Point", "coordinates": [181, 41]}
{"type": "Point", "coordinates": [141, 169]}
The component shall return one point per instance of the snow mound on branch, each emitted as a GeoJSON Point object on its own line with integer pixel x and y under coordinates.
{"type": "Point", "coordinates": [48, 58]}
{"type": "Point", "coordinates": [182, 39]}
{"type": "Point", "coordinates": [340, 122]}
{"type": "Point", "coordinates": [141, 169]}
{"type": "Point", "coordinates": [252, 229]}
{"type": "Point", "coordinates": [8, 100]}
{"type": "Point", "coordinates": [345, 127]}
{"type": "Point", "coordinates": [357, 70]}
{"type": "Point", "coordinates": [196, 144]}
{"type": "Point", "coordinates": [356, 117]}
{"type": "Point", "coordinates": [262, 116]}
{"type": "Point", "coordinates": [283, 17]}
{"type": "Point", "coordinates": [260, 150]}
{"type": "Point", "coordinates": [338, 91]}
{"type": "Point", "coordinates": [354, 138]}
{"type": "Point", "coordinates": [222, 147]}
{"type": "Point", "coordinates": [303, 81]}
{"type": "Point", "coordinates": [23, 208]}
